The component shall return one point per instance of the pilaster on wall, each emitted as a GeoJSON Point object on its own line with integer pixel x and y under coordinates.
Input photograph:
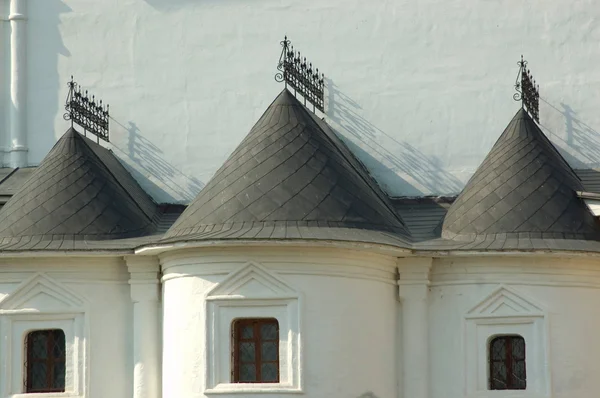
{"type": "Point", "coordinates": [144, 278]}
{"type": "Point", "coordinates": [145, 294]}
{"type": "Point", "coordinates": [413, 290]}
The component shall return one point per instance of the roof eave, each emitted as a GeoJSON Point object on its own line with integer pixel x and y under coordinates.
{"type": "Point", "coordinates": [156, 249]}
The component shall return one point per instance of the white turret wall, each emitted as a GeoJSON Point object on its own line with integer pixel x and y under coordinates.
{"type": "Point", "coordinates": [551, 302]}
{"type": "Point", "coordinates": [341, 306]}
{"type": "Point", "coordinates": [86, 297]}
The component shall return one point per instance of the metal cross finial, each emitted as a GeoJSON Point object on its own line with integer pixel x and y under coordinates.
{"type": "Point", "coordinates": [91, 115]}
{"type": "Point", "coordinates": [295, 71]}
{"type": "Point", "coordinates": [527, 91]}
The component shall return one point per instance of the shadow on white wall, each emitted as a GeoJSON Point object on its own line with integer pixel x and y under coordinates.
{"type": "Point", "coordinates": [581, 143]}
{"type": "Point", "coordinates": [46, 90]}
{"type": "Point", "coordinates": [159, 178]}
{"type": "Point", "coordinates": [400, 168]}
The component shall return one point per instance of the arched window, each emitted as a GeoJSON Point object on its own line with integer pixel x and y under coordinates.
{"type": "Point", "coordinates": [255, 350]}
{"type": "Point", "coordinates": [507, 363]}
{"type": "Point", "coordinates": [45, 361]}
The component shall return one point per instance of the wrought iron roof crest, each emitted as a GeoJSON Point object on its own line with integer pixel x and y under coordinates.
{"type": "Point", "coordinates": [88, 113]}
{"type": "Point", "coordinates": [300, 75]}
{"type": "Point", "coordinates": [527, 91]}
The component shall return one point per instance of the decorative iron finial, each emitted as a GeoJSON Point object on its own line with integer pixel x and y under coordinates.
{"type": "Point", "coordinates": [527, 91]}
{"type": "Point", "coordinates": [299, 74]}
{"type": "Point", "coordinates": [88, 113]}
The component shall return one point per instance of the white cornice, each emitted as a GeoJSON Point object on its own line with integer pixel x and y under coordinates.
{"type": "Point", "coordinates": [313, 243]}
{"type": "Point", "coordinates": [64, 253]}
{"type": "Point", "coordinates": [513, 253]}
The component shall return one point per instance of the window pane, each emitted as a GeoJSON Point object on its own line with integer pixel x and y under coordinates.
{"type": "Point", "coordinates": [268, 331]}
{"type": "Point", "coordinates": [269, 372]}
{"type": "Point", "coordinates": [518, 346]}
{"type": "Point", "coordinates": [39, 344]}
{"type": "Point", "coordinates": [247, 332]}
{"type": "Point", "coordinates": [507, 363]}
{"type": "Point", "coordinates": [45, 361]}
{"type": "Point", "coordinates": [59, 375]}
{"type": "Point", "coordinates": [498, 381]}
{"type": "Point", "coordinates": [256, 351]}
{"type": "Point", "coordinates": [247, 372]}
{"type": "Point", "coordinates": [247, 352]}
{"type": "Point", "coordinates": [498, 349]}
{"type": "Point", "coordinates": [37, 375]}
{"type": "Point", "coordinates": [269, 351]}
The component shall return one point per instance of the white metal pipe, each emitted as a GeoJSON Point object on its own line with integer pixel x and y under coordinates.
{"type": "Point", "coordinates": [18, 83]}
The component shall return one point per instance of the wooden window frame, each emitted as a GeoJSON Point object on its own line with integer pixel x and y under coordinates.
{"type": "Point", "coordinates": [508, 362]}
{"type": "Point", "coordinates": [237, 338]}
{"type": "Point", "coordinates": [50, 361]}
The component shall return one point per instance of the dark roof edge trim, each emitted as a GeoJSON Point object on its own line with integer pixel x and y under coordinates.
{"type": "Point", "coordinates": [6, 177]}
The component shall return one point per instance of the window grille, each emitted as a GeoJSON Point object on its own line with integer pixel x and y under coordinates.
{"type": "Point", "coordinates": [507, 363]}
{"type": "Point", "coordinates": [45, 361]}
{"type": "Point", "coordinates": [255, 351]}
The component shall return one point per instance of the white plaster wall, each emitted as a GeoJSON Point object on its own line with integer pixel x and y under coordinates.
{"type": "Point", "coordinates": [423, 88]}
{"type": "Point", "coordinates": [348, 318]}
{"type": "Point", "coordinates": [102, 283]}
{"type": "Point", "coordinates": [568, 289]}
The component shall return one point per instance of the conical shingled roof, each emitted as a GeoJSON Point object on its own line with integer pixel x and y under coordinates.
{"type": "Point", "coordinates": [75, 194]}
{"type": "Point", "coordinates": [291, 177]}
{"type": "Point", "coordinates": [524, 187]}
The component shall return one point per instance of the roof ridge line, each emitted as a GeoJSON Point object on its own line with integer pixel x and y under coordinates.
{"type": "Point", "coordinates": [370, 180]}
{"type": "Point", "coordinates": [113, 176]}
{"type": "Point", "coordinates": [557, 152]}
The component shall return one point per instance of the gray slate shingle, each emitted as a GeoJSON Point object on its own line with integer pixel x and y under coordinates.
{"type": "Point", "coordinates": [290, 177]}
{"type": "Point", "coordinates": [76, 194]}
{"type": "Point", "coordinates": [523, 186]}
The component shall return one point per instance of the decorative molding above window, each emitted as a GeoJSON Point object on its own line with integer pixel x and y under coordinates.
{"type": "Point", "coordinates": [41, 303]}
{"type": "Point", "coordinates": [505, 312]}
{"type": "Point", "coordinates": [504, 302]}
{"type": "Point", "coordinates": [251, 281]}
{"type": "Point", "coordinates": [252, 292]}
{"type": "Point", "coordinates": [41, 293]}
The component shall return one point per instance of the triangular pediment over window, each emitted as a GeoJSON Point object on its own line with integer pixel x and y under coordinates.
{"type": "Point", "coordinates": [505, 302]}
{"type": "Point", "coordinates": [41, 293]}
{"type": "Point", "coordinates": [252, 281]}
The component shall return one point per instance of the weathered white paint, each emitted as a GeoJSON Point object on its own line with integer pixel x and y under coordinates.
{"type": "Point", "coordinates": [252, 292]}
{"type": "Point", "coordinates": [146, 326]}
{"type": "Point", "coordinates": [422, 88]}
{"type": "Point", "coordinates": [506, 311]}
{"type": "Point", "coordinates": [18, 83]}
{"type": "Point", "coordinates": [346, 302]}
{"type": "Point", "coordinates": [42, 303]}
{"type": "Point", "coordinates": [551, 302]}
{"type": "Point", "coordinates": [353, 323]}
{"type": "Point", "coordinates": [89, 300]}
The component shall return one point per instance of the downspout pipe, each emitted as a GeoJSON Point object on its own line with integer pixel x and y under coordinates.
{"type": "Point", "coordinates": [18, 84]}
